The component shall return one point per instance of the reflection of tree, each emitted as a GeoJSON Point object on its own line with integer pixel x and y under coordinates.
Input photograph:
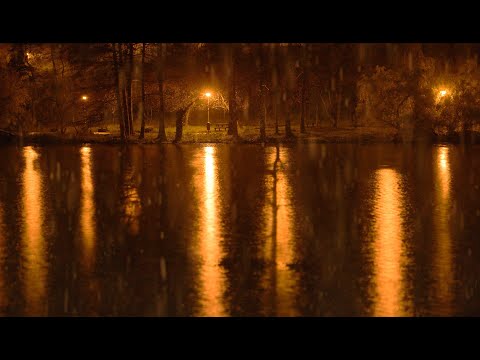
{"type": "Point", "coordinates": [274, 225]}
{"type": "Point", "coordinates": [130, 198]}
{"type": "Point", "coordinates": [280, 247]}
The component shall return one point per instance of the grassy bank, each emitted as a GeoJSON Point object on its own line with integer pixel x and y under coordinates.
{"type": "Point", "coordinates": [247, 134]}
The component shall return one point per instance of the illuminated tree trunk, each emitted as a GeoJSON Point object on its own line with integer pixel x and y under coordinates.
{"type": "Point", "coordinates": [287, 87]}
{"type": "Point", "coordinates": [286, 107]}
{"type": "Point", "coordinates": [304, 89]}
{"type": "Point", "coordinates": [264, 92]}
{"type": "Point", "coordinates": [275, 113]}
{"type": "Point", "coordinates": [161, 54]}
{"type": "Point", "coordinates": [122, 83]}
{"type": "Point", "coordinates": [181, 117]}
{"type": "Point", "coordinates": [129, 88]}
{"type": "Point", "coordinates": [141, 114]}
{"type": "Point", "coordinates": [118, 92]}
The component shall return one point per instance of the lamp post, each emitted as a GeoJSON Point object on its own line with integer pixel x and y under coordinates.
{"type": "Point", "coordinates": [208, 94]}
{"type": "Point", "coordinates": [84, 100]}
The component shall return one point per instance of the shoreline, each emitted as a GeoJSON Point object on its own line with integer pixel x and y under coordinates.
{"type": "Point", "coordinates": [325, 136]}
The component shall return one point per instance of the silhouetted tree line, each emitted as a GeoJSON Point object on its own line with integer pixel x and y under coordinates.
{"type": "Point", "coordinates": [419, 89]}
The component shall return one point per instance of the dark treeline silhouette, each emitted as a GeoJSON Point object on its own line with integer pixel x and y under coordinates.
{"type": "Point", "coordinates": [421, 90]}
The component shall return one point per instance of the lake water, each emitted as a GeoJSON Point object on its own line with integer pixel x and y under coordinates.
{"type": "Point", "coordinates": [245, 230]}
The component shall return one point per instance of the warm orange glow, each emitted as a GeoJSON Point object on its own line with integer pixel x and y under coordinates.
{"type": "Point", "coordinates": [212, 282]}
{"type": "Point", "coordinates": [443, 269]}
{"type": "Point", "coordinates": [84, 97]}
{"type": "Point", "coordinates": [29, 56]}
{"type": "Point", "coordinates": [441, 93]}
{"type": "Point", "coordinates": [87, 219]}
{"type": "Point", "coordinates": [33, 248]}
{"type": "Point", "coordinates": [3, 260]}
{"type": "Point", "coordinates": [208, 94]}
{"type": "Point", "coordinates": [388, 247]}
{"type": "Point", "coordinates": [279, 236]}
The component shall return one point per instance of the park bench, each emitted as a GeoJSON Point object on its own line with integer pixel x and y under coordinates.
{"type": "Point", "coordinates": [220, 126]}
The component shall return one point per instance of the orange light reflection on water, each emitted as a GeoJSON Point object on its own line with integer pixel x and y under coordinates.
{"type": "Point", "coordinates": [33, 247]}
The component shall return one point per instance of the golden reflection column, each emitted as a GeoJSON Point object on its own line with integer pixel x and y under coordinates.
{"type": "Point", "coordinates": [212, 280]}
{"type": "Point", "coordinates": [442, 257]}
{"type": "Point", "coordinates": [390, 293]}
{"type": "Point", "coordinates": [34, 265]}
{"type": "Point", "coordinates": [87, 214]}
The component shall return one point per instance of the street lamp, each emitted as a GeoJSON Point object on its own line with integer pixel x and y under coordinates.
{"type": "Point", "coordinates": [442, 93]}
{"type": "Point", "coordinates": [84, 99]}
{"type": "Point", "coordinates": [208, 95]}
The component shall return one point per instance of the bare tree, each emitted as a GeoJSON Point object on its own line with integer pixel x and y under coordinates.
{"type": "Point", "coordinates": [141, 107]}
{"type": "Point", "coordinates": [161, 57]}
{"type": "Point", "coordinates": [120, 113]}
{"type": "Point", "coordinates": [232, 101]}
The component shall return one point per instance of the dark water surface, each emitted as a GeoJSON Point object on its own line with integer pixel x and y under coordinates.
{"type": "Point", "coordinates": [307, 230]}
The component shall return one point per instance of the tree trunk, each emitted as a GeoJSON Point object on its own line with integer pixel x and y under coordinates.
{"type": "Point", "coordinates": [275, 113]}
{"type": "Point", "coordinates": [161, 54]}
{"type": "Point", "coordinates": [178, 126]}
{"type": "Point", "coordinates": [339, 108]}
{"type": "Point", "coordinates": [58, 114]}
{"type": "Point", "coordinates": [118, 92]}
{"type": "Point", "coordinates": [122, 82]}
{"type": "Point", "coordinates": [288, 126]}
{"type": "Point", "coordinates": [141, 107]}
{"type": "Point", "coordinates": [263, 89]}
{"type": "Point", "coordinates": [263, 119]}
{"type": "Point", "coordinates": [181, 118]}
{"type": "Point", "coordinates": [128, 86]}
{"type": "Point", "coordinates": [125, 103]}
{"type": "Point", "coordinates": [304, 89]}
{"type": "Point", "coordinates": [232, 103]}
{"type": "Point", "coordinates": [302, 116]}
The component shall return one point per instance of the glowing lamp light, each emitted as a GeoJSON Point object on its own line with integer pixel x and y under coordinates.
{"type": "Point", "coordinates": [208, 94]}
{"type": "Point", "coordinates": [84, 97]}
{"type": "Point", "coordinates": [443, 93]}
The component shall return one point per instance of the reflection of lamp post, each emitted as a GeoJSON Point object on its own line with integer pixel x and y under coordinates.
{"type": "Point", "coordinates": [208, 94]}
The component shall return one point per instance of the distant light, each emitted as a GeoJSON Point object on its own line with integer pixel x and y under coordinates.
{"type": "Point", "coordinates": [84, 97]}
{"type": "Point", "coordinates": [29, 55]}
{"type": "Point", "coordinates": [443, 93]}
{"type": "Point", "coordinates": [208, 94]}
